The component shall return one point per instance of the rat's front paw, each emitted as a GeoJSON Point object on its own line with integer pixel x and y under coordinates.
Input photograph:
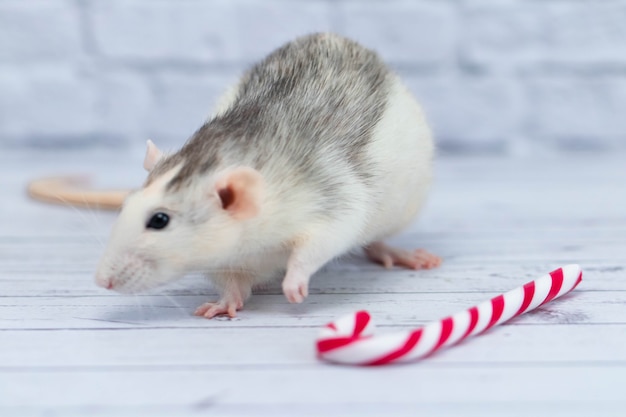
{"type": "Point", "coordinates": [210, 310]}
{"type": "Point", "coordinates": [295, 292]}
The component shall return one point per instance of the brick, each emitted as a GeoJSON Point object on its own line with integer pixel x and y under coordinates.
{"type": "Point", "coordinates": [182, 102]}
{"type": "Point", "coordinates": [124, 103]}
{"type": "Point", "coordinates": [165, 30]}
{"type": "Point", "coordinates": [45, 104]}
{"type": "Point", "coordinates": [491, 75]}
{"type": "Point", "coordinates": [264, 26]}
{"type": "Point", "coordinates": [577, 111]}
{"type": "Point", "coordinates": [405, 32]}
{"type": "Point", "coordinates": [39, 31]}
{"type": "Point", "coordinates": [565, 34]}
{"type": "Point", "coordinates": [469, 113]}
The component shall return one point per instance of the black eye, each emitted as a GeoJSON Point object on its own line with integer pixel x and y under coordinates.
{"type": "Point", "coordinates": [158, 221]}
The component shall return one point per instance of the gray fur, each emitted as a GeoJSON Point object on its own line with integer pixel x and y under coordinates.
{"type": "Point", "coordinates": [317, 96]}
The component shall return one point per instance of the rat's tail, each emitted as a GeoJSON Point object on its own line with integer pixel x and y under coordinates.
{"type": "Point", "coordinates": [72, 191]}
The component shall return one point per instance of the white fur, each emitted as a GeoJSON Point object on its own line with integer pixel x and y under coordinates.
{"type": "Point", "coordinates": [402, 148]}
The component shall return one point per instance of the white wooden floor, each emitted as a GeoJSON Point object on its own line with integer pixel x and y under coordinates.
{"type": "Point", "coordinates": [68, 348]}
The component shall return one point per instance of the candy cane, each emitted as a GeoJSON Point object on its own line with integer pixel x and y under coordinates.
{"type": "Point", "coordinates": [351, 340]}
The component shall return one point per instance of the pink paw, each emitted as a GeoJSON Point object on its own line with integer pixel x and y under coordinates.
{"type": "Point", "coordinates": [390, 256]}
{"type": "Point", "coordinates": [419, 259]}
{"type": "Point", "coordinates": [295, 292]}
{"type": "Point", "coordinates": [210, 310]}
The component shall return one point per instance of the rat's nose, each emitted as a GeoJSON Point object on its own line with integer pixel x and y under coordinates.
{"type": "Point", "coordinates": [105, 282]}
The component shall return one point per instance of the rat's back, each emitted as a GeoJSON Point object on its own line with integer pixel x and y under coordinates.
{"type": "Point", "coordinates": [315, 100]}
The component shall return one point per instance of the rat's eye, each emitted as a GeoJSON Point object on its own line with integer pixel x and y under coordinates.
{"type": "Point", "coordinates": [158, 221]}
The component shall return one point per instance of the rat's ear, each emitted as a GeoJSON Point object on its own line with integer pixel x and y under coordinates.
{"type": "Point", "coordinates": [153, 156]}
{"type": "Point", "coordinates": [240, 192]}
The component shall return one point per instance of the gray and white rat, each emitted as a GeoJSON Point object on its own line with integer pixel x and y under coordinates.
{"type": "Point", "coordinates": [319, 149]}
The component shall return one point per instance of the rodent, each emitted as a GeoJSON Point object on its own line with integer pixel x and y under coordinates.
{"type": "Point", "coordinates": [319, 149]}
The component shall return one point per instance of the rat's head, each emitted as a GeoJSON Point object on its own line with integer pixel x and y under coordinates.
{"type": "Point", "coordinates": [165, 231]}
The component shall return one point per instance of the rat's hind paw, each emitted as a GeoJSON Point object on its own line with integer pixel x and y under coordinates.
{"type": "Point", "coordinates": [390, 256]}
{"type": "Point", "coordinates": [210, 310]}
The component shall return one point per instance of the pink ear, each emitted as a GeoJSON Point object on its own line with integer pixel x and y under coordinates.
{"type": "Point", "coordinates": [240, 192]}
{"type": "Point", "coordinates": [153, 156]}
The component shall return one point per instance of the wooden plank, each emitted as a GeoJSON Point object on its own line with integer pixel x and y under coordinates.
{"type": "Point", "coordinates": [274, 310]}
{"type": "Point", "coordinates": [442, 409]}
{"type": "Point", "coordinates": [32, 255]}
{"type": "Point", "coordinates": [520, 187]}
{"type": "Point", "coordinates": [324, 387]}
{"type": "Point", "coordinates": [344, 277]}
{"type": "Point", "coordinates": [229, 346]}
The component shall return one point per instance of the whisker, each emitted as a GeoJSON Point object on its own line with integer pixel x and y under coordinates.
{"type": "Point", "coordinates": [94, 217]}
{"type": "Point", "coordinates": [83, 219]}
{"type": "Point", "coordinates": [173, 301]}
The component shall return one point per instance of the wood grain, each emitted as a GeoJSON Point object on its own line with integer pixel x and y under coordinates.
{"type": "Point", "coordinates": [69, 348]}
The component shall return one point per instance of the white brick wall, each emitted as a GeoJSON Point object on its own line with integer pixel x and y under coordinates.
{"type": "Point", "coordinates": [493, 75]}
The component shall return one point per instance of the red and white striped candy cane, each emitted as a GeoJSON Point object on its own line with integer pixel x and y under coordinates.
{"type": "Point", "coordinates": [350, 339]}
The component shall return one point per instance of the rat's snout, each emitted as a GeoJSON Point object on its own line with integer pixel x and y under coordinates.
{"type": "Point", "coordinates": [128, 273]}
{"type": "Point", "coordinates": [114, 283]}
{"type": "Point", "coordinates": [104, 282]}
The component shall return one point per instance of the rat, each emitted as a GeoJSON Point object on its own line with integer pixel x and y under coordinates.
{"type": "Point", "coordinates": [318, 150]}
